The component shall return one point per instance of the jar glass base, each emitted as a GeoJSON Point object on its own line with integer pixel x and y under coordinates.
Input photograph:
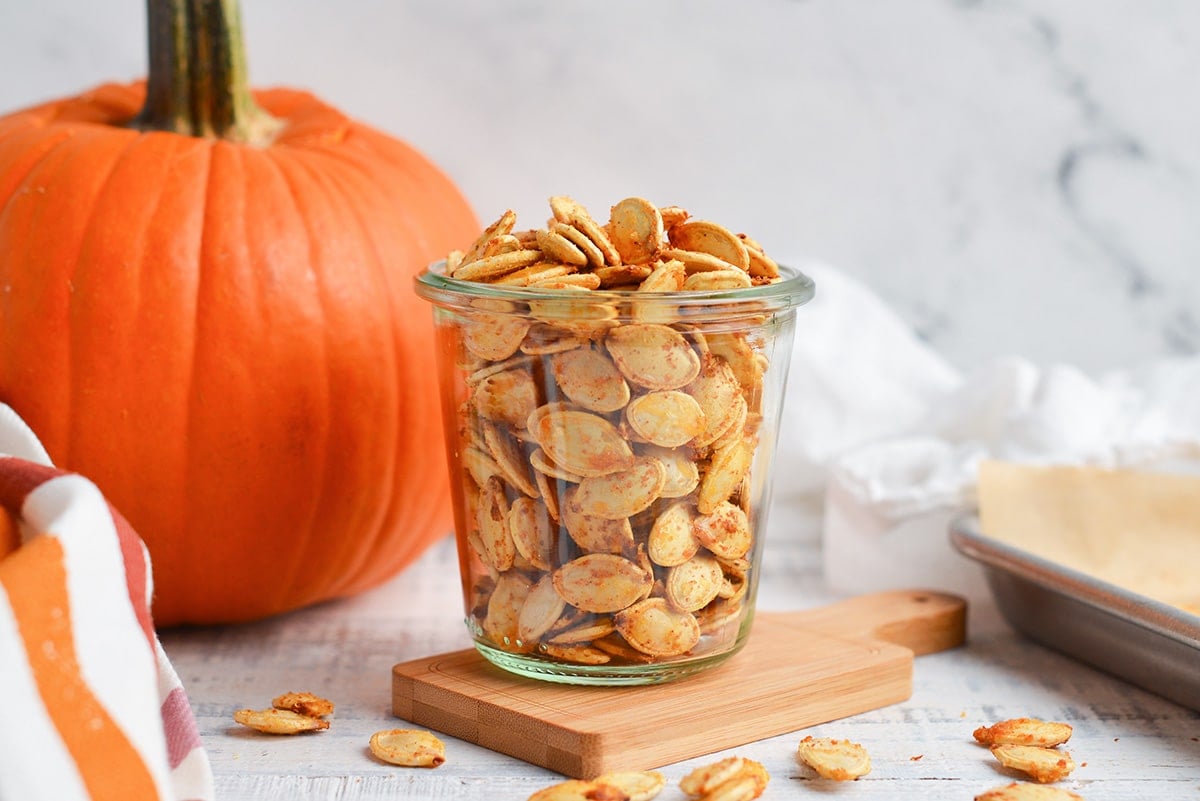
{"type": "Point", "coordinates": [531, 666]}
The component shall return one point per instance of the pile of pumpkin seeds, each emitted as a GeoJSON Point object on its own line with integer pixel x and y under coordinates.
{"type": "Point", "coordinates": [606, 438]}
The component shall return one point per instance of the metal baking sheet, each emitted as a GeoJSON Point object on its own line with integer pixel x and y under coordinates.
{"type": "Point", "coordinates": [1148, 643]}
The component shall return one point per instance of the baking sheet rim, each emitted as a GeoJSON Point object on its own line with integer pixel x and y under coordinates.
{"type": "Point", "coordinates": [1162, 618]}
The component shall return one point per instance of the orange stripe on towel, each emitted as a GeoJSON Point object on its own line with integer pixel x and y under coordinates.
{"type": "Point", "coordinates": [36, 582]}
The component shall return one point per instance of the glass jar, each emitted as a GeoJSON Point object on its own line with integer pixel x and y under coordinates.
{"type": "Point", "coordinates": [610, 456]}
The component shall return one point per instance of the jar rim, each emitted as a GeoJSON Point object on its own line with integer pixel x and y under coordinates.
{"type": "Point", "coordinates": [795, 289]}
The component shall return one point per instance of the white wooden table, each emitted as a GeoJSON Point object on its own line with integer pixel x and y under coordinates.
{"type": "Point", "coordinates": [1129, 744]}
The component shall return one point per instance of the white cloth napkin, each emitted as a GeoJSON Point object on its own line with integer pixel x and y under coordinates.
{"type": "Point", "coordinates": [891, 435]}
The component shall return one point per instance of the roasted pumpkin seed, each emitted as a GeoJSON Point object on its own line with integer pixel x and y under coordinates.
{"type": "Point", "coordinates": [502, 623]}
{"type": "Point", "coordinates": [695, 261]}
{"type": "Point", "coordinates": [583, 632]}
{"type": "Point", "coordinates": [542, 608]}
{"type": "Point", "coordinates": [408, 748]}
{"type": "Point", "coordinates": [491, 515]}
{"type": "Point", "coordinates": [304, 703]}
{"type": "Point", "coordinates": [693, 584]}
{"type": "Point", "coordinates": [479, 465]}
{"type": "Point", "coordinates": [653, 356]}
{"type": "Point", "coordinates": [579, 654]}
{"type": "Point", "coordinates": [719, 615]}
{"type": "Point", "coordinates": [595, 534]}
{"type": "Point", "coordinates": [625, 276]}
{"type": "Point", "coordinates": [636, 230]}
{"type": "Point", "coordinates": [600, 582]}
{"type": "Point", "coordinates": [532, 532]}
{"type": "Point", "coordinates": [495, 266]}
{"type": "Point", "coordinates": [278, 721]}
{"type": "Point", "coordinates": [1019, 791]}
{"type": "Point", "coordinates": [672, 216]}
{"type": "Point", "coordinates": [572, 281]}
{"type": "Point", "coordinates": [543, 339]}
{"type": "Point", "coordinates": [1024, 731]}
{"type": "Point", "coordinates": [717, 281]}
{"type": "Point", "coordinates": [701, 236]}
{"type": "Point", "coordinates": [589, 321]}
{"type": "Point", "coordinates": [590, 380]}
{"type": "Point", "coordinates": [653, 627]}
{"type": "Point", "coordinates": [578, 790]}
{"type": "Point", "coordinates": [840, 760]}
{"type": "Point", "coordinates": [640, 785]}
{"type": "Point", "coordinates": [672, 540]}
{"type": "Point", "coordinates": [668, 276]}
{"type": "Point", "coordinates": [706, 778]}
{"type": "Point", "coordinates": [504, 225]}
{"type": "Point", "coordinates": [614, 646]}
{"type": "Point", "coordinates": [568, 211]}
{"type": "Point", "coordinates": [725, 531]}
{"type": "Point", "coordinates": [558, 247]}
{"type": "Point", "coordinates": [549, 492]}
{"type": "Point", "coordinates": [582, 443]}
{"type": "Point", "coordinates": [1043, 765]}
{"type": "Point", "coordinates": [668, 418]}
{"type": "Point", "coordinates": [487, 368]}
{"type": "Point", "coordinates": [579, 239]}
{"type": "Point", "coordinates": [761, 265]}
{"type": "Point", "coordinates": [494, 336]}
{"type": "Point", "coordinates": [717, 392]}
{"type": "Point", "coordinates": [736, 429]}
{"type": "Point", "coordinates": [680, 474]}
{"type": "Point", "coordinates": [536, 274]}
{"type": "Point", "coordinates": [728, 466]}
{"type": "Point", "coordinates": [621, 494]}
{"type": "Point", "coordinates": [509, 458]}
{"type": "Point", "coordinates": [506, 397]}
{"type": "Point", "coordinates": [542, 465]}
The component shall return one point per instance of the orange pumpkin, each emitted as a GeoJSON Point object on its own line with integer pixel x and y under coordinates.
{"type": "Point", "coordinates": [209, 312]}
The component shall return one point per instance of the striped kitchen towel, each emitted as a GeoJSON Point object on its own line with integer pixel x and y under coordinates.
{"type": "Point", "coordinates": [92, 708]}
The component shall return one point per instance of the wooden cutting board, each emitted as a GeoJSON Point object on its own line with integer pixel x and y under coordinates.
{"type": "Point", "coordinates": [797, 669]}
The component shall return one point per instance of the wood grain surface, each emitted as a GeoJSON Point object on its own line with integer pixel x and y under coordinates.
{"type": "Point", "coordinates": [1129, 743]}
{"type": "Point", "coordinates": [797, 669]}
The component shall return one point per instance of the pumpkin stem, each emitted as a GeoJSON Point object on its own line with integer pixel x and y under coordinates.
{"type": "Point", "coordinates": [199, 84]}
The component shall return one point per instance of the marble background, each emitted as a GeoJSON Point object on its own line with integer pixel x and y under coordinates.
{"type": "Point", "coordinates": [1013, 177]}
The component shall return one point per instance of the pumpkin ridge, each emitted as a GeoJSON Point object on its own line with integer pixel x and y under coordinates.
{"type": "Point", "coordinates": [222, 587]}
{"type": "Point", "coordinates": [15, 346]}
{"type": "Point", "coordinates": [417, 506]}
{"type": "Point", "coordinates": [384, 523]}
{"type": "Point", "coordinates": [160, 218]}
{"type": "Point", "coordinates": [78, 425]}
{"type": "Point", "coordinates": [81, 145]}
{"type": "Point", "coordinates": [9, 195]}
{"type": "Point", "coordinates": [383, 520]}
{"type": "Point", "coordinates": [286, 588]}
{"type": "Point", "coordinates": [425, 507]}
{"type": "Point", "coordinates": [183, 551]}
{"type": "Point", "coordinates": [292, 568]}
{"type": "Point", "coordinates": [377, 146]}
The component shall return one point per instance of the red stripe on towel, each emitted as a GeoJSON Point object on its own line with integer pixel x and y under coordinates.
{"type": "Point", "coordinates": [179, 726]}
{"type": "Point", "coordinates": [135, 572]}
